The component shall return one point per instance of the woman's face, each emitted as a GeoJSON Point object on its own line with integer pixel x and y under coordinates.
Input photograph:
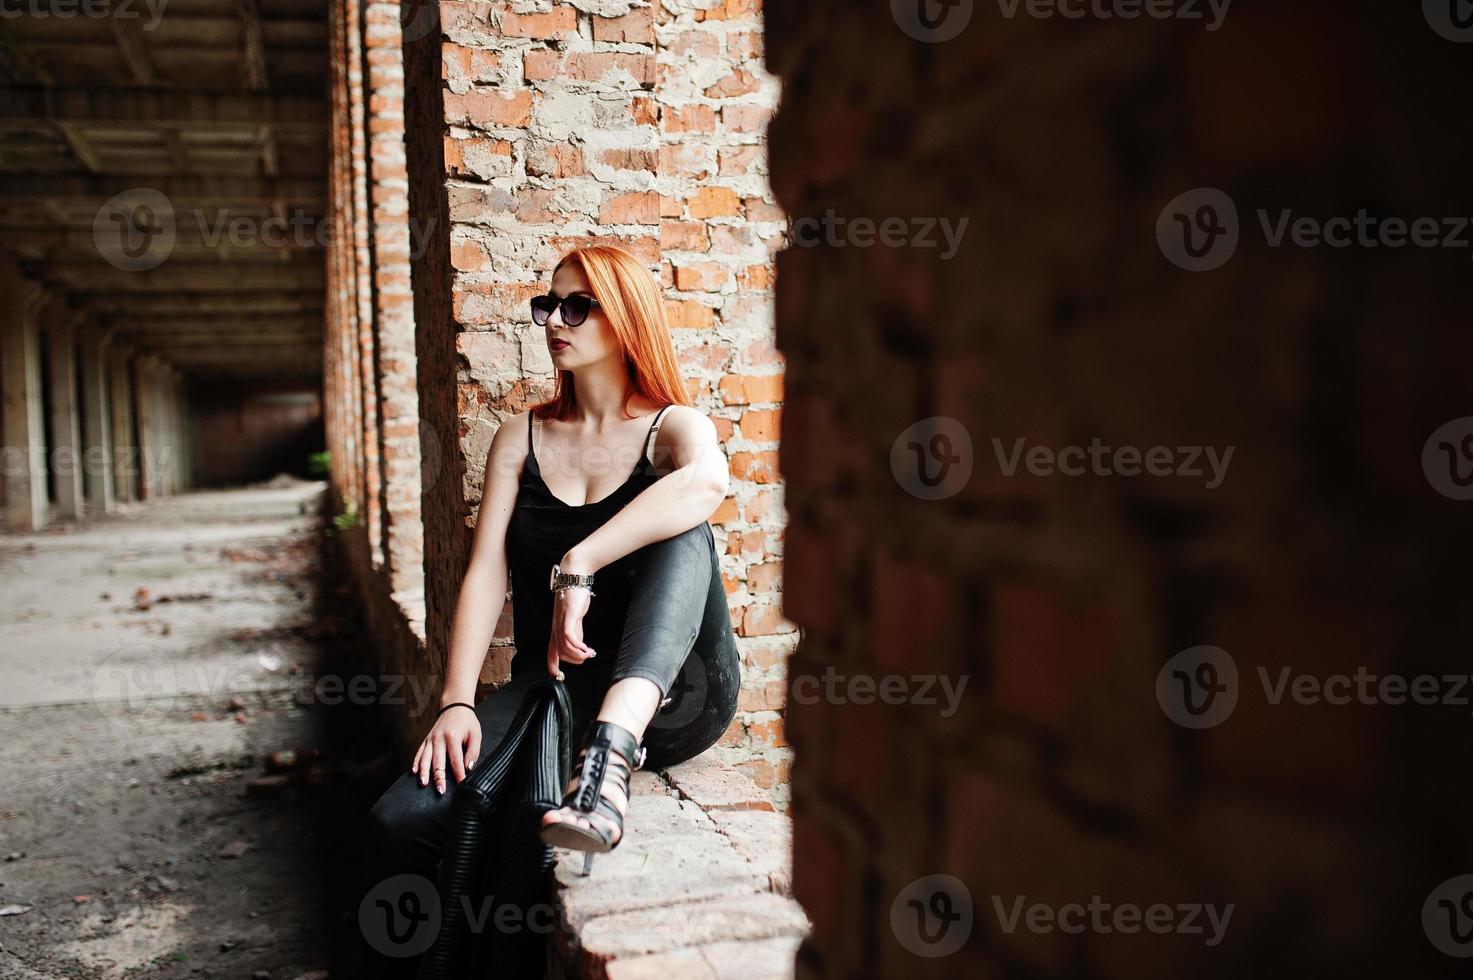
{"type": "Point", "coordinates": [589, 342]}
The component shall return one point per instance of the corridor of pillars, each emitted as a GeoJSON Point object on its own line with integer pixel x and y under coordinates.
{"type": "Point", "coordinates": [162, 198]}
{"type": "Point", "coordinates": [161, 278]}
{"type": "Point", "coordinates": [88, 421]}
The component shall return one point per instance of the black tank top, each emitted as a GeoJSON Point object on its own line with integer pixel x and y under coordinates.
{"type": "Point", "coordinates": [541, 530]}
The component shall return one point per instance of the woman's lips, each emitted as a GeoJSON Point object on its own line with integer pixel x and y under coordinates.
{"type": "Point", "coordinates": [560, 344]}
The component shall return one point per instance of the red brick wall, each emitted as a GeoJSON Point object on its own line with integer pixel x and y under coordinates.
{"type": "Point", "coordinates": [532, 129]}
{"type": "Point", "coordinates": [342, 391]}
{"type": "Point", "coordinates": [361, 264]}
{"type": "Point", "coordinates": [373, 414]}
{"type": "Point", "coordinates": [442, 507]}
{"type": "Point", "coordinates": [393, 300]}
{"type": "Point", "coordinates": [1061, 599]}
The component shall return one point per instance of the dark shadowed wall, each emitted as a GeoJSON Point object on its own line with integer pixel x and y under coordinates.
{"type": "Point", "coordinates": [246, 435]}
{"type": "Point", "coordinates": [998, 472]}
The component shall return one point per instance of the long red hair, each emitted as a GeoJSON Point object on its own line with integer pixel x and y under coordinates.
{"type": "Point", "coordinates": [630, 297]}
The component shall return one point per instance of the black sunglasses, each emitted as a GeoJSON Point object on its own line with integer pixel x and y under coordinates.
{"type": "Point", "coordinates": [575, 308]}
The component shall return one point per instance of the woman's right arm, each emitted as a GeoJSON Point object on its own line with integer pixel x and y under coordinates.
{"type": "Point", "coordinates": [456, 735]}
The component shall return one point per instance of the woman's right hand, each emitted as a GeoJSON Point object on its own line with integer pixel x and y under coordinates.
{"type": "Point", "coordinates": [456, 737]}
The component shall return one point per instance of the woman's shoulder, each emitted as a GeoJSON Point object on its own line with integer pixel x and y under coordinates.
{"type": "Point", "coordinates": [509, 445]}
{"type": "Point", "coordinates": [686, 419]}
{"type": "Point", "coordinates": [515, 426]}
{"type": "Point", "coordinates": [683, 425]}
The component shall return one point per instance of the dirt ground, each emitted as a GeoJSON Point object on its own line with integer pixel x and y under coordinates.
{"type": "Point", "coordinates": [152, 666]}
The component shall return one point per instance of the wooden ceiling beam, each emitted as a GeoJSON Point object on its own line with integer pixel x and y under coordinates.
{"type": "Point", "coordinates": [254, 50]}
{"type": "Point", "coordinates": [27, 105]}
{"type": "Point", "coordinates": [281, 352]}
{"type": "Point", "coordinates": [18, 62]}
{"type": "Point", "coordinates": [81, 147]}
{"type": "Point", "coordinates": [128, 33]}
{"type": "Point", "coordinates": [194, 303]}
{"type": "Point", "coordinates": [97, 276]}
{"type": "Point", "coordinates": [218, 342]}
{"type": "Point", "coordinates": [244, 325]}
{"type": "Point", "coordinates": [182, 192]}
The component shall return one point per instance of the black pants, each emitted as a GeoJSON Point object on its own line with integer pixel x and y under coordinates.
{"type": "Point", "coordinates": [677, 632]}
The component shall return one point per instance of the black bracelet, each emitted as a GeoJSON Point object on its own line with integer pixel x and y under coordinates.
{"type": "Point", "coordinates": [454, 704]}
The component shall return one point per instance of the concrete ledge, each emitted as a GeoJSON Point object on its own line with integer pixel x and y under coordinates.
{"type": "Point", "coordinates": [699, 887]}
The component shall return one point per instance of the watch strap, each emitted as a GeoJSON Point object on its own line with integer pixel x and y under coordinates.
{"type": "Point", "coordinates": [564, 580]}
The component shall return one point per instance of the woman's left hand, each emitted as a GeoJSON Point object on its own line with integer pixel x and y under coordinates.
{"type": "Point", "coordinates": [568, 609]}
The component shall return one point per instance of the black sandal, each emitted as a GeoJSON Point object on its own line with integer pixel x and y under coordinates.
{"type": "Point", "coordinates": [586, 792]}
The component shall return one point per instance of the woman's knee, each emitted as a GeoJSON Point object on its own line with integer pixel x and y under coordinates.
{"type": "Point", "coordinates": [685, 554]}
{"type": "Point", "coordinates": [400, 815]}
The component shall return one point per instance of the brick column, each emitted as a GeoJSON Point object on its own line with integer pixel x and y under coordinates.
{"type": "Point", "coordinates": [183, 441]}
{"type": "Point", "coordinates": [97, 446]}
{"type": "Point", "coordinates": [65, 453]}
{"type": "Point", "coordinates": [125, 467]}
{"type": "Point", "coordinates": [719, 227]}
{"type": "Point", "coordinates": [20, 362]}
{"type": "Point", "coordinates": [343, 343]}
{"type": "Point", "coordinates": [166, 427]}
{"type": "Point", "coordinates": [169, 429]}
{"type": "Point", "coordinates": [180, 415]}
{"type": "Point", "coordinates": [442, 509]}
{"type": "Point", "coordinates": [393, 312]}
{"type": "Point", "coordinates": [145, 407]}
{"type": "Point", "coordinates": [361, 268]}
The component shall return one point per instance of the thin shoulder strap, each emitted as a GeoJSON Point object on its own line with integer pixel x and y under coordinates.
{"type": "Point", "coordinates": [653, 426]}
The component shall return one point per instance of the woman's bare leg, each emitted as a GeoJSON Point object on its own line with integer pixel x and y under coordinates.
{"type": "Point", "coordinates": [630, 704]}
{"type": "Point", "coordinates": [667, 604]}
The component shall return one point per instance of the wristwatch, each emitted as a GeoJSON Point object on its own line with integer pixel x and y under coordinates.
{"type": "Point", "coordinates": [562, 580]}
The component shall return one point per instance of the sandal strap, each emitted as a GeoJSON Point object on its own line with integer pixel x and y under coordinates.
{"type": "Point", "coordinates": [596, 764]}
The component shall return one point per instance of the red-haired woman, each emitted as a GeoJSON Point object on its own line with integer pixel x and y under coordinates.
{"type": "Point", "coordinates": [596, 505]}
